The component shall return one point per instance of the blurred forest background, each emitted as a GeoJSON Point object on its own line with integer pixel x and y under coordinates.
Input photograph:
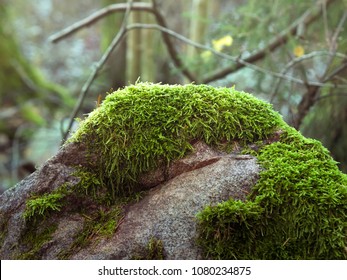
{"type": "Point", "coordinates": [292, 53]}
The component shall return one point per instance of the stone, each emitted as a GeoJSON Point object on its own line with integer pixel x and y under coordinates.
{"type": "Point", "coordinates": [180, 172]}
{"type": "Point", "coordinates": [168, 211]}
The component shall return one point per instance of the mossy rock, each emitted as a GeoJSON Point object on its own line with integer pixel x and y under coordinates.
{"type": "Point", "coordinates": [145, 124]}
{"type": "Point", "coordinates": [296, 210]}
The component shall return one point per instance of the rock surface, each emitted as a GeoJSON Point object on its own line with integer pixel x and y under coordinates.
{"type": "Point", "coordinates": [167, 211]}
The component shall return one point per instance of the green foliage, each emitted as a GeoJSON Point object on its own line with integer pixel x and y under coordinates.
{"type": "Point", "coordinates": [39, 206]}
{"type": "Point", "coordinates": [297, 209]}
{"type": "Point", "coordinates": [143, 124]}
{"type": "Point", "coordinates": [154, 250]}
{"type": "Point", "coordinates": [101, 224]}
{"type": "Point", "coordinates": [34, 239]}
{"type": "Point", "coordinates": [24, 89]}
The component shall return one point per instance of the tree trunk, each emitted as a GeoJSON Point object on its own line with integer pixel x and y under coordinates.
{"type": "Point", "coordinates": [198, 26]}
{"type": "Point", "coordinates": [134, 54]}
{"type": "Point", "coordinates": [149, 37]}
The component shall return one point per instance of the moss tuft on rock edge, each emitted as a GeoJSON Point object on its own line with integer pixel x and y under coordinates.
{"type": "Point", "coordinates": [141, 125]}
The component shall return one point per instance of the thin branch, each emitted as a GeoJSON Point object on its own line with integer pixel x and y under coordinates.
{"type": "Point", "coordinates": [333, 44]}
{"type": "Point", "coordinates": [170, 46]}
{"type": "Point", "coordinates": [305, 19]}
{"type": "Point", "coordinates": [97, 67]}
{"type": "Point", "coordinates": [233, 58]}
{"type": "Point", "coordinates": [137, 6]}
{"type": "Point", "coordinates": [310, 97]}
{"type": "Point", "coordinates": [300, 59]}
{"type": "Point", "coordinates": [93, 18]}
{"type": "Point", "coordinates": [336, 71]}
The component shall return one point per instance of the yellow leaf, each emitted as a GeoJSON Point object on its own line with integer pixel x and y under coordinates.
{"type": "Point", "coordinates": [205, 55]}
{"type": "Point", "coordinates": [225, 41]}
{"type": "Point", "coordinates": [299, 51]}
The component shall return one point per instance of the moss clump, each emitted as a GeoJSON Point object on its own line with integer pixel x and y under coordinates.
{"type": "Point", "coordinates": [153, 251]}
{"type": "Point", "coordinates": [36, 235]}
{"type": "Point", "coordinates": [143, 124]}
{"type": "Point", "coordinates": [39, 206]}
{"type": "Point", "coordinates": [297, 210]}
{"type": "Point", "coordinates": [103, 223]}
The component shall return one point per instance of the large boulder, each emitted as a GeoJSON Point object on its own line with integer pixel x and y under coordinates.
{"type": "Point", "coordinates": [180, 172]}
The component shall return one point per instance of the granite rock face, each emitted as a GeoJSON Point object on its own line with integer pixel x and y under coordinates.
{"type": "Point", "coordinates": [175, 194]}
{"type": "Point", "coordinates": [168, 211]}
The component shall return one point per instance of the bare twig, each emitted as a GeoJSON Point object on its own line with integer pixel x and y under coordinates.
{"type": "Point", "coordinates": [310, 97]}
{"type": "Point", "coordinates": [170, 46]}
{"type": "Point", "coordinates": [237, 59]}
{"type": "Point", "coordinates": [337, 71]}
{"type": "Point", "coordinates": [137, 6]}
{"type": "Point", "coordinates": [305, 19]}
{"type": "Point", "coordinates": [97, 67]}
{"type": "Point", "coordinates": [93, 18]}
{"type": "Point", "coordinates": [298, 60]}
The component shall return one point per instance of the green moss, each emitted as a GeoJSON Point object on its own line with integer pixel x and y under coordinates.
{"type": "Point", "coordinates": [34, 238]}
{"type": "Point", "coordinates": [100, 224]}
{"type": "Point", "coordinates": [38, 207]}
{"type": "Point", "coordinates": [92, 186]}
{"type": "Point", "coordinates": [3, 229]}
{"type": "Point", "coordinates": [103, 223]}
{"type": "Point", "coordinates": [141, 125]}
{"type": "Point", "coordinates": [297, 210]}
{"type": "Point", "coordinates": [153, 251]}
